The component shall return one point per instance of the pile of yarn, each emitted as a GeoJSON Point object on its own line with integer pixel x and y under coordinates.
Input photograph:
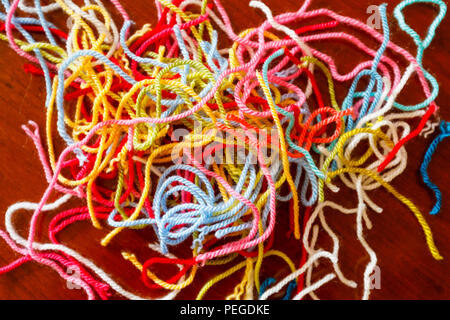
{"type": "Point", "coordinates": [166, 129]}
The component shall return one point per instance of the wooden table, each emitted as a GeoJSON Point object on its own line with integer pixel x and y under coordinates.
{"type": "Point", "coordinates": [407, 269]}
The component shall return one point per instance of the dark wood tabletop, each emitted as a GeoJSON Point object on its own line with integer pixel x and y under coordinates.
{"type": "Point", "coordinates": [407, 269]}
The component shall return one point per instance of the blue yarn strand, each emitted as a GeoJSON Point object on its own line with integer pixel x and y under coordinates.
{"type": "Point", "coordinates": [445, 132]}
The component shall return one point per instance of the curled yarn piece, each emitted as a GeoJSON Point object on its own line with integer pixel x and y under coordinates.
{"type": "Point", "coordinates": [445, 132]}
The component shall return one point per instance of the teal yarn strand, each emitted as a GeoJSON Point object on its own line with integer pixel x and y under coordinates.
{"type": "Point", "coordinates": [421, 46]}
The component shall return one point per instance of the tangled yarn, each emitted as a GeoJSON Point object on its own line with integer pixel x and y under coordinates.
{"type": "Point", "coordinates": [167, 130]}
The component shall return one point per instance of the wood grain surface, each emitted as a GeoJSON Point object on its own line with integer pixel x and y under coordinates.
{"type": "Point", "coordinates": [407, 269]}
